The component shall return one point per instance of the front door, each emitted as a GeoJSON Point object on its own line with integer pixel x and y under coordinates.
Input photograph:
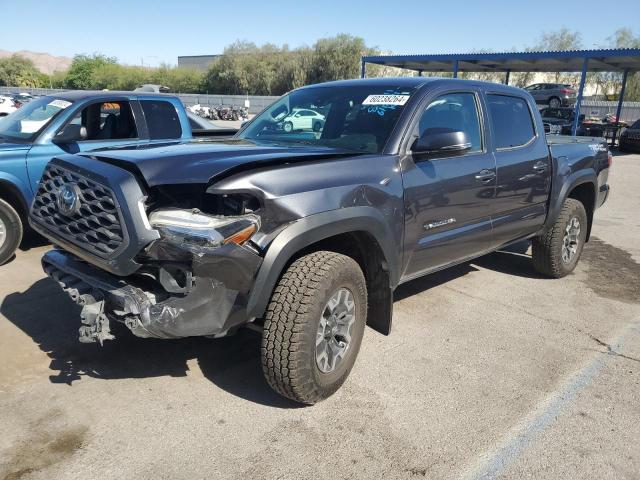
{"type": "Point", "coordinates": [105, 124]}
{"type": "Point", "coordinates": [448, 200]}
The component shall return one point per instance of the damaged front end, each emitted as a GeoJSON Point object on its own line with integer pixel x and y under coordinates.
{"type": "Point", "coordinates": [193, 281]}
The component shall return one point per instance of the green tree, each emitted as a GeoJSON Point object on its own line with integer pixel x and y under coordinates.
{"type": "Point", "coordinates": [336, 58]}
{"type": "Point", "coordinates": [610, 83]}
{"type": "Point", "coordinates": [112, 76]}
{"type": "Point", "coordinates": [17, 71]}
{"type": "Point", "coordinates": [80, 74]}
{"type": "Point", "coordinates": [180, 80]}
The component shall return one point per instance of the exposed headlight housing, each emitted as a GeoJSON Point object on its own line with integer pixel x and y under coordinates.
{"type": "Point", "coordinates": [196, 231]}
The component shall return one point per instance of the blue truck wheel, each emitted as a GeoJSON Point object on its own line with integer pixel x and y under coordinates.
{"type": "Point", "coordinates": [10, 231]}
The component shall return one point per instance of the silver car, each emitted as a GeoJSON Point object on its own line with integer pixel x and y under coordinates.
{"type": "Point", "coordinates": [553, 94]}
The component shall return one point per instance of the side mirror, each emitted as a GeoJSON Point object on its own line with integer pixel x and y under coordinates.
{"type": "Point", "coordinates": [71, 133]}
{"type": "Point", "coordinates": [442, 142]}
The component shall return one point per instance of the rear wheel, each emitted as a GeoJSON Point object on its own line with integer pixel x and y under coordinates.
{"type": "Point", "coordinates": [556, 252]}
{"type": "Point", "coordinates": [317, 126]}
{"type": "Point", "coordinates": [314, 326]}
{"type": "Point", "coordinates": [554, 102]}
{"type": "Point", "coordinates": [10, 231]}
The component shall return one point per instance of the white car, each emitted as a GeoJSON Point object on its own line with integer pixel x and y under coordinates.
{"type": "Point", "coordinates": [7, 105]}
{"type": "Point", "coordinates": [303, 119]}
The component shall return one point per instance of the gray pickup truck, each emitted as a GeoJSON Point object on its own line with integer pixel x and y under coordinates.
{"type": "Point", "coordinates": [305, 233]}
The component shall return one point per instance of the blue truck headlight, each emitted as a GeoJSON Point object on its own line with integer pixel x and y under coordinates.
{"type": "Point", "coordinates": [194, 229]}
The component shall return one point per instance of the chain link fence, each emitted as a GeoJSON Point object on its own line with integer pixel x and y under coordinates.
{"type": "Point", "coordinates": [591, 108]}
{"type": "Point", "coordinates": [256, 103]}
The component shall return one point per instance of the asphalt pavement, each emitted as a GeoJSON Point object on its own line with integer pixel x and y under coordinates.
{"type": "Point", "coordinates": [490, 372]}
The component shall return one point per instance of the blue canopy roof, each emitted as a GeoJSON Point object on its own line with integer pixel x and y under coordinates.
{"type": "Point", "coordinates": [604, 60]}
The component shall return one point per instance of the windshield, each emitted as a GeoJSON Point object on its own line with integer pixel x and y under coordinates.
{"type": "Point", "coordinates": [359, 118]}
{"type": "Point", "coordinates": [26, 123]}
{"type": "Point", "coordinates": [636, 125]}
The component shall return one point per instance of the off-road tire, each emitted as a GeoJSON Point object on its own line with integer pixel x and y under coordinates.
{"type": "Point", "coordinates": [547, 248]}
{"type": "Point", "coordinates": [291, 324]}
{"type": "Point", "coordinates": [13, 226]}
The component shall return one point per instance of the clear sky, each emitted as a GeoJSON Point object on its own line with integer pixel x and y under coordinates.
{"type": "Point", "coordinates": [158, 31]}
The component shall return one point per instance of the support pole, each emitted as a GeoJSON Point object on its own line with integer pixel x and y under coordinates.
{"type": "Point", "coordinates": [419, 73]}
{"type": "Point", "coordinates": [583, 78]}
{"type": "Point", "coordinates": [455, 69]}
{"type": "Point", "coordinates": [363, 69]}
{"type": "Point", "coordinates": [621, 98]}
{"type": "Point", "coordinates": [620, 101]}
{"type": "Point", "coordinates": [506, 77]}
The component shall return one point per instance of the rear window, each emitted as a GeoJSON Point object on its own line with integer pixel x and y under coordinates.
{"type": "Point", "coordinates": [162, 119]}
{"type": "Point", "coordinates": [512, 121]}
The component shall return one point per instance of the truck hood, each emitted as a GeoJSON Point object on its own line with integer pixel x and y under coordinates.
{"type": "Point", "coordinates": [204, 161]}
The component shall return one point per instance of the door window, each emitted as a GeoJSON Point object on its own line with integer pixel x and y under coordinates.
{"type": "Point", "coordinates": [107, 121]}
{"type": "Point", "coordinates": [512, 121]}
{"type": "Point", "coordinates": [162, 119]}
{"type": "Point", "coordinates": [453, 111]}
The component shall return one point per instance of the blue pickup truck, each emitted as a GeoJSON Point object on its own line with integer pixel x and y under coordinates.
{"type": "Point", "coordinates": [73, 122]}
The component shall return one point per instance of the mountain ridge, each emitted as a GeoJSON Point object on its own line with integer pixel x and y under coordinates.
{"type": "Point", "coordinates": [44, 62]}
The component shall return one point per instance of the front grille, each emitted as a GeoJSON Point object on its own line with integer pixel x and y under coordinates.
{"type": "Point", "coordinates": [94, 223]}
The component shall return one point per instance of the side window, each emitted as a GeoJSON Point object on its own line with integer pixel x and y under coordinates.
{"type": "Point", "coordinates": [107, 121]}
{"type": "Point", "coordinates": [162, 119]}
{"type": "Point", "coordinates": [453, 111]}
{"type": "Point", "coordinates": [511, 119]}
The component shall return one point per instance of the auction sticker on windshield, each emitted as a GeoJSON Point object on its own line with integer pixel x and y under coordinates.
{"type": "Point", "coordinates": [386, 100]}
{"type": "Point", "coordinates": [60, 103]}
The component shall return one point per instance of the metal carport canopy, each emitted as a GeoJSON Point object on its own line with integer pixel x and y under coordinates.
{"type": "Point", "coordinates": [625, 60]}
{"type": "Point", "coordinates": [606, 60]}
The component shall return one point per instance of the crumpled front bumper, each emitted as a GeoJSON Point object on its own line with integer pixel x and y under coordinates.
{"type": "Point", "coordinates": [210, 307]}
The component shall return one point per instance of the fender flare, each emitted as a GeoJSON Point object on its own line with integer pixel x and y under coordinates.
{"type": "Point", "coordinates": [312, 229]}
{"type": "Point", "coordinates": [567, 184]}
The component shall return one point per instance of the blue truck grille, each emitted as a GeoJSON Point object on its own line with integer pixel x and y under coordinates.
{"type": "Point", "coordinates": [79, 211]}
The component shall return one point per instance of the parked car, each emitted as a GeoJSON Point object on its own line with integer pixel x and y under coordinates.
{"type": "Point", "coordinates": [7, 105]}
{"type": "Point", "coordinates": [152, 88]}
{"type": "Point", "coordinates": [73, 122]}
{"type": "Point", "coordinates": [630, 138]}
{"type": "Point", "coordinates": [305, 236]}
{"type": "Point", "coordinates": [559, 120]}
{"type": "Point", "coordinates": [303, 119]}
{"type": "Point", "coordinates": [21, 98]}
{"type": "Point", "coordinates": [553, 94]}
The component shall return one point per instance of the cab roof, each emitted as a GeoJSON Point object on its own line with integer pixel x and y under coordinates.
{"type": "Point", "coordinates": [76, 95]}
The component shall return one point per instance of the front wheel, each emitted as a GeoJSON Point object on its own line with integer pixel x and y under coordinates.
{"type": "Point", "coordinates": [314, 326]}
{"type": "Point", "coordinates": [10, 231]}
{"type": "Point", "coordinates": [288, 127]}
{"type": "Point", "coordinates": [557, 251]}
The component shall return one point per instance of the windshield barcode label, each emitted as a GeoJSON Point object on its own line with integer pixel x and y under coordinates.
{"type": "Point", "coordinates": [386, 100]}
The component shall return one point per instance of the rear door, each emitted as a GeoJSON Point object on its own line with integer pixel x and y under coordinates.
{"type": "Point", "coordinates": [448, 200]}
{"type": "Point", "coordinates": [163, 120]}
{"type": "Point", "coordinates": [523, 167]}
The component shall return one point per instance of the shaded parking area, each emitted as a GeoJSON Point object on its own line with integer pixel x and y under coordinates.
{"type": "Point", "coordinates": [490, 371]}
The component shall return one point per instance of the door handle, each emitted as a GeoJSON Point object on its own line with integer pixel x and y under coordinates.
{"type": "Point", "coordinates": [485, 175]}
{"type": "Point", "coordinates": [540, 167]}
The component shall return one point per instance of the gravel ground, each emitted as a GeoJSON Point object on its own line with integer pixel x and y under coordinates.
{"type": "Point", "coordinates": [490, 371]}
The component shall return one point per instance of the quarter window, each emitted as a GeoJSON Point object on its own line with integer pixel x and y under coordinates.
{"type": "Point", "coordinates": [162, 119]}
{"type": "Point", "coordinates": [512, 121]}
{"type": "Point", "coordinates": [454, 111]}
